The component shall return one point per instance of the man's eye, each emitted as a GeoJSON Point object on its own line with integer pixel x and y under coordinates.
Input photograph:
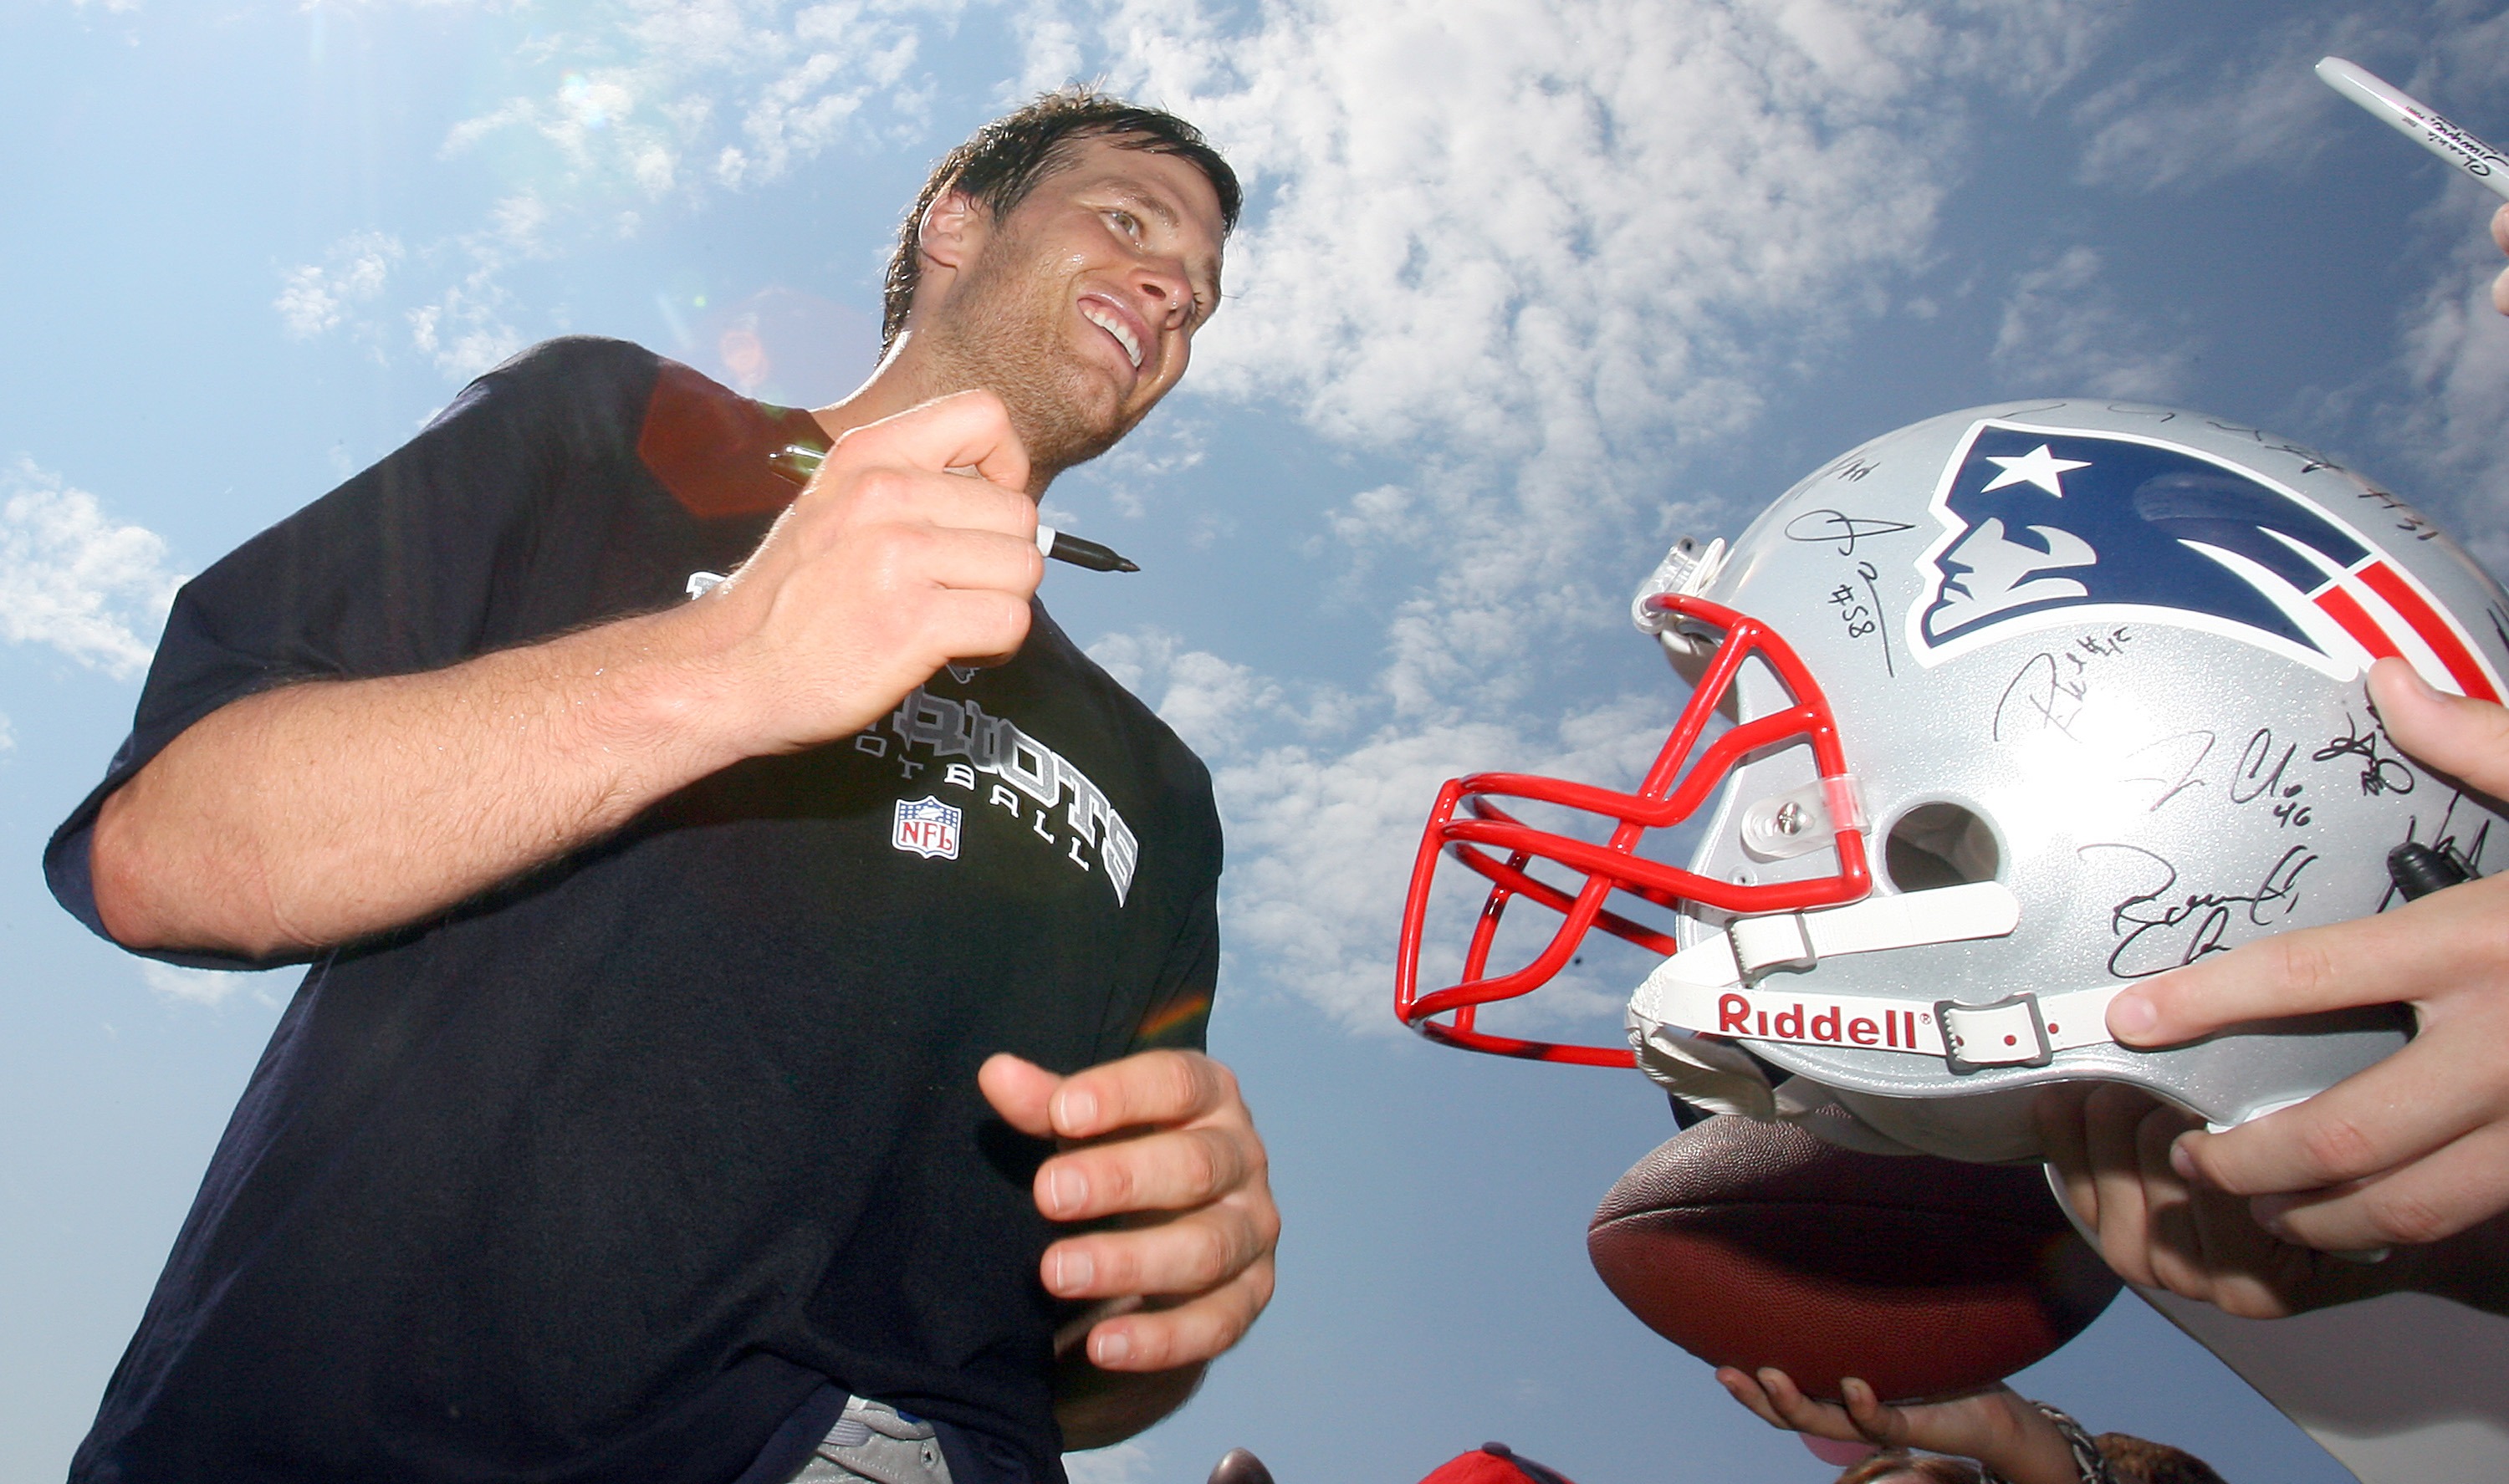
{"type": "Point", "coordinates": [1127, 222]}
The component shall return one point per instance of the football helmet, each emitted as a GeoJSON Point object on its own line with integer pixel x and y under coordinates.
{"type": "Point", "coordinates": [1990, 718]}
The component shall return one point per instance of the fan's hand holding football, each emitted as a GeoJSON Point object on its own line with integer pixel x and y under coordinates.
{"type": "Point", "coordinates": [2109, 1144]}
{"type": "Point", "coordinates": [1995, 1427]}
{"type": "Point", "coordinates": [2110, 1147]}
{"type": "Point", "coordinates": [2415, 1148]}
{"type": "Point", "coordinates": [1162, 1138]}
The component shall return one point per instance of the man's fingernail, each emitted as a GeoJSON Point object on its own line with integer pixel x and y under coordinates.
{"type": "Point", "coordinates": [1074, 1270]}
{"type": "Point", "coordinates": [2181, 1159]}
{"type": "Point", "coordinates": [1112, 1349]}
{"type": "Point", "coordinates": [2271, 1211]}
{"type": "Point", "coordinates": [2132, 1015]}
{"type": "Point", "coordinates": [1075, 1108]}
{"type": "Point", "coordinates": [1069, 1189]}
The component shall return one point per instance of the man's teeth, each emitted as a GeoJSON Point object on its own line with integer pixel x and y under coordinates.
{"type": "Point", "coordinates": [1117, 328]}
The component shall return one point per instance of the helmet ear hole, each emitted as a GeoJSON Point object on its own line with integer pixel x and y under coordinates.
{"type": "Point", "coordinates": [1940, 845]}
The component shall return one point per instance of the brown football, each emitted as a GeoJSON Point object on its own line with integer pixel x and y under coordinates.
{"type": "Point", "coordinates": [1756, 1244]}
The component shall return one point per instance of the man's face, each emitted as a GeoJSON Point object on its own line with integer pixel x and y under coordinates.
{"type": "Point", "coordinates": [1078, 307]}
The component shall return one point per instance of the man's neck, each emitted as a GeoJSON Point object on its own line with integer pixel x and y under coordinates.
{"type": "Point", "coordinates": [904, 380]}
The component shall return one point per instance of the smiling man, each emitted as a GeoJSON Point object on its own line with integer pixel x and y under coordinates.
{"type": "Point", "coordinates": [750, 1037]}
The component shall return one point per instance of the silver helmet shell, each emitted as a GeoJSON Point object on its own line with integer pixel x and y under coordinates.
{"type": "Point", "coordinates": [2110, 656]}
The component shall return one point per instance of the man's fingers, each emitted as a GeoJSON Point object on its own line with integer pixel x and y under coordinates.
{"type": "Point", "coordinates": [2174, 1241]}
{"type": "Point", "coordinates": [887, 496]}
{"type": "Point", "coordinates": [966, 430]}
{"type": "Point", "coordinates": [1742, 1388]}
{"type": "Point", "coordinates": [2466, 739]}
{"type": "Point", "coordinates": [1161, 1086]}
{"type": "Point", "coordinates": [1886, 1425]}
{"type": "Point", "coordinates": [1820, 1419]}
{"type": "Point", "coordinates": [1172, 1170]}
{"type": "Point", "coordinates": [2380, 960]}
{"type": "Point", "coordinates": [2501, 285]}
{"type": "Point", "coordinates": [2112, 1115]}
{"type": "Point", "coordinates": [2437, 1195]}
{"type": "Point", "coordinates": [2428, 1095]}
{"type": "Point", "coordinates": [2059, 1116]}
{"type": "Point", "coordinates": [2403, 954]}
{"type": "Point", "coordinates": [1163, 1339]}
{"type": "Point", "coordinates": [1186, 1254]}
{"type": "Point", "coordinates": [1020, 1091]}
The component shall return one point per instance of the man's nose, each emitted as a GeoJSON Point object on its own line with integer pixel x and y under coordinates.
{"type": "Point", "coordinates": [1166, 292]}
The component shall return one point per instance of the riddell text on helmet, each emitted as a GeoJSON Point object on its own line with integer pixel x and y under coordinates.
{"type": "Point", "coordinates": [1835, 1023]}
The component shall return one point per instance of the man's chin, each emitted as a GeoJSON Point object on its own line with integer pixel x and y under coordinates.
{"type": "Point", "coordinates": [1058, 437]}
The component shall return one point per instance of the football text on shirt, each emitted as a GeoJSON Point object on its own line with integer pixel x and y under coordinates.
{"type": "Point", "coordinates": [968, 742]}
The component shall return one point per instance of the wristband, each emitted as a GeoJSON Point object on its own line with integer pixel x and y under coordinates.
{"type": "Point", "coordinates": [2088, 1460]}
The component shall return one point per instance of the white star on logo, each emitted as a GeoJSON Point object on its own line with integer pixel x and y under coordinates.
{"type": "Point", "coordinates": [2038, 467]}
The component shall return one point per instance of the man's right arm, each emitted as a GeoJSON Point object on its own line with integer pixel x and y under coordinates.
{"type": "Point", "coordinates": [330, 810]}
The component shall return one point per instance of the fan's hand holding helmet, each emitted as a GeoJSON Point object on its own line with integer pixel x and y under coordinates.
{"type": "Point", "coordinates": [1992, 718]}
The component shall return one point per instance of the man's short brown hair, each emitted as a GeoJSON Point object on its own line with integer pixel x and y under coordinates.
{"type": "Point", "coordinates": [1003, 161]}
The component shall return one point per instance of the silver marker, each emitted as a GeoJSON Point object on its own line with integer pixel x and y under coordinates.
{"type": "Point", "coordinates": [2417, 122]}
{"type": "Point", "coordinates": [797, 461]}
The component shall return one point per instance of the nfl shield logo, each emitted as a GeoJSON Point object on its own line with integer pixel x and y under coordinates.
{"type": "Point", "coordinates": [928, 827]}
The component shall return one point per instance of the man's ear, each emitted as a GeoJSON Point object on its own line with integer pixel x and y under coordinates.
{"type": "Point", "coordinates": [951, 230]}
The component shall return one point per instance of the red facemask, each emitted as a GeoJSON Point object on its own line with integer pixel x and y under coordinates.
{"type": "Point", "coordinates": [1500, 848]}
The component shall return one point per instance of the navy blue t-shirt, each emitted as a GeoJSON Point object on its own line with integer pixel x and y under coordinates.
{"type": "Point", "coordinates": [603, 1174]}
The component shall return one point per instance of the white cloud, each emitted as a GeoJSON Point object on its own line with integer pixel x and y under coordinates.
{"type": "Point", "coordinates": [2266, 109]}
{"type": "Point", "coordinates": [8, 736]}
{"type": "Point", "coordinates": [1214, 705]}
{"type": "Point", "coordinates": [1123, 1463]}
{"type": "Point", "coordinates": [1557, 243]}
{"type": "Point", "coordinates": [1529, 225]}
{"type": "Point", "coordinates": [317, 296]}
{"type": "Point", "coordinates": [72, 578]}
{"type": "Point", "coordinates": [1169, 443]}
{"type": "Point", "coordinates": [210, 988]}
{"type": "Point", "coordinates": [2454, 354]}
{"type": "Point", "coordinates": [747, 91]}
{"type": "Point", "coordinates": [2065, 331]}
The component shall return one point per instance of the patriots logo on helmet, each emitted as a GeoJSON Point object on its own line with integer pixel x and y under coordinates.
{"type": "Point", "coordinates": [2043, 528]}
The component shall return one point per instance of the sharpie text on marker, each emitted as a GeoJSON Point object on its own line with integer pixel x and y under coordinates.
{"type": "Point", "coordinates": [797, 461]}
{"type": "Point", "coordinates": [2416, 120]}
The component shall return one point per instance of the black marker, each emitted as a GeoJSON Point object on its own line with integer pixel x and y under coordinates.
{"type": "Point", "coordinates": [797, 461]}
{"type": "Point", "coordinates": [2418, 870]}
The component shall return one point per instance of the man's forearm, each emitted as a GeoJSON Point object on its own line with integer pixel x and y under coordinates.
{"type": "Point", "coordinates": [321, 812]}
{"type": "Point", "coordinates": [326, 811]}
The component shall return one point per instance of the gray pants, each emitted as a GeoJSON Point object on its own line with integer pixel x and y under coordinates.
{"type": "Point", "coordinates": [873, 1440]}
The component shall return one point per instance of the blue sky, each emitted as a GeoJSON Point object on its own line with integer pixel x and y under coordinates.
{"type": "Point", "coordinates": [1526, 290]}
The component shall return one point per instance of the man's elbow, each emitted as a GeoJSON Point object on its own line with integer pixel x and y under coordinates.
{"type": "Point", "coordinates": [150, 896]}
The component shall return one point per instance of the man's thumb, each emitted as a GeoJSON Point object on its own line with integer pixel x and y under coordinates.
{"type": "Point", "coordinates": [1021, 1092]}
{"type": "Point", "coordinates": [2466, 739]}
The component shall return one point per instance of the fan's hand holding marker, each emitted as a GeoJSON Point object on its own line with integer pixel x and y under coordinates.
{"type": "Point", "coordinates": [797, 461]}
{"type": "Point", "coordinates": [2418, 122]}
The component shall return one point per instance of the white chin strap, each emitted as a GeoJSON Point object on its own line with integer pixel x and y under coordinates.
{"type": "Point", "coordinates": [1686, 1015]}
